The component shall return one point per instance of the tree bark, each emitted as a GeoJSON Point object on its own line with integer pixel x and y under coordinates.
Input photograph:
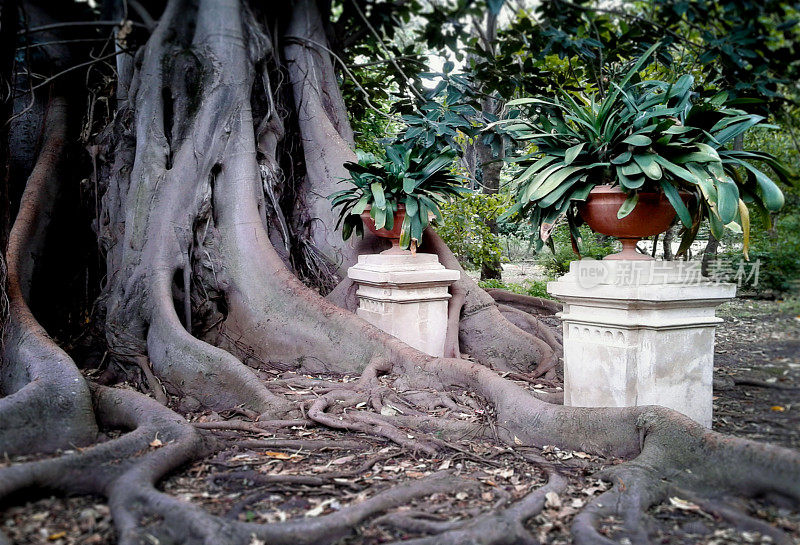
{"type": "Point", "coordinates": [197, 170]}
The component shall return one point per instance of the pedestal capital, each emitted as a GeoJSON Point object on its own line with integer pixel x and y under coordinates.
{"type": "Point", "coordinates": [402, 271]}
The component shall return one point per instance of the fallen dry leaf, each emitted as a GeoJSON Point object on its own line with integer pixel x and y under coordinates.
{"type": "Point", "coordinates": [683, 504]}
{"type": "Point", "coordinates": [343, 460]}
{"type": "Point", "coordinates": [552, 500]}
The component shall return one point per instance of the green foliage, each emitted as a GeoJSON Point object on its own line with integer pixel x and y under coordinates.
{"type": "Point", "coordinates": [776, 251]}
{"type": "Point", "coordinates": [745, 46]}
{"type": "Point", "coordinates": [534, 288]}
{"type": "Point", "coordinates": [448, 111]}
{"type": "Point", "coordinates": [418, 179]}
{"type": "Point", "coordinates": [642, 135]}
{"type": "Point", "coordinates": [556, 263]}
{"type": "Point", "coordinates": [790, 305]}
{"type": "Point", "coordinates": [465, 228]}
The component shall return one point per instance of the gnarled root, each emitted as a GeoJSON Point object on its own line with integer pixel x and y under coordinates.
{"type": "Point", "coordinates": [504, 525]}
{"type": "Point", "coordinates": [47, 404]}
{"type": "Point", "coordinates": [532, 305]}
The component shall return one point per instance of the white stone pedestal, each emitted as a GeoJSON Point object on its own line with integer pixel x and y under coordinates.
{"type": "Point", "coordinates": [639, 333]}
{"type": "Point", "coordinates": [406, 296]}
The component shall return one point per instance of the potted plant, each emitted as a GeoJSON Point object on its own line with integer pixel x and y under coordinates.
{"type": "Point", "coordinates": [396, 196]}
{"type": "Point", "coordinates": [628, 161]}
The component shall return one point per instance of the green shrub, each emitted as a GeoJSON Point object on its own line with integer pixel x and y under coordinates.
{"type": "Point", "coordinates": [534, 288]}
{"type": "Point", "coordinates": [592, 245]}
{"type": "Point", "coordinates": [465, 228]}
{"type": "Point", "coordinates": [777, 253]}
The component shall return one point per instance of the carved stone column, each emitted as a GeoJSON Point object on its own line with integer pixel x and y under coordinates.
{"type": "Point", "coordinates": [406, 296]}
{"type": "Point", "coordinates": [639, 333]}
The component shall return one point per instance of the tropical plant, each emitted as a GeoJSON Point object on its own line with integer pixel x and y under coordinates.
{"type": "Point", "coordinates": [642, 135]}
{"type": "Point", "coordinates": [419, 179]}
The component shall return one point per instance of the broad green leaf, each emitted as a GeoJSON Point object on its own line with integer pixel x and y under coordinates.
{"type": "Point", "coordinates": [706, 182]}
{"type": "Point", "coordinates": [396, 154]}
{"type": "Point", "coordinates": [705, 148]}
{"type": "Point", "coordinates": [552, 181]}
{"type": "Point", "coordinates": [622, 158]}
{"type": "Point", "coordinates": [559, 192]}
{"type": "Point", "coordinates": [729, 133]}
{"type": "Point", "coordinates": [361, 205]}
{"type": "Point", "coordinates": [572, 153]}
{"type": "Point", "coordinates": [696, 157]}
{"type": "Point", "coordinates": [647, 162]}
{"type": "Point", "coordinates": [378, 195]}
{"type": "Point", "coordinates": [538, 179]}
{"type": "Point", "coordinates": [379, 215]}
{"type": "Point", "coordinates": [416, 229]}
{"type": "Point", "coordinates": [727, 199]}
{"type": "Point", "coordinates": [677, 203]}
{"type": "Point", "coordinates": [389, 222]}
{"type": "Point", "coordinates": [628, 206]}
{"type": "Point", "coordinates": [678, 171]}
{"type": "Point", "coordinates": [582, 192]}
{"type": "Point", "coordinates": [630, 169]}
{"type": "Point", "coordinates": [630, 182]}
{"type": "Point", "coordinates": [412, 206]}
{"type": "Point", "coordinates": [534, 168]}
{"type": "Point", "coordinates": [677, 129]}
{"type": "Point", "coordinates": [405, 233]}
{"type": "Point", "coordinates": [681, 86]}
{"type": "Point", "coordinates": [434, 166]}
{"type": "Point", "coordinates": [638, 140]}
{"type": "Point", "coordinates": [714, 224]}
{"type": "Point", "coordinates": [771, 194]}
{"type": "Point", "coordinates": [780, 169]}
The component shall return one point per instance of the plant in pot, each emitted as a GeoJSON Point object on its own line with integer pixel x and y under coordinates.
{"type": "Point", "coordinates": [396, 196]}
{"type": "Point", "coordinates": [628, 161]}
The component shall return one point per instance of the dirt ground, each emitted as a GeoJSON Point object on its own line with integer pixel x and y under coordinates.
{"type": "Point", "coordinates": [262, 478]}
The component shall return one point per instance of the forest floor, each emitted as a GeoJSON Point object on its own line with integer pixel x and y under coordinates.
{"type": "Point", "coordinates": [757, 361]}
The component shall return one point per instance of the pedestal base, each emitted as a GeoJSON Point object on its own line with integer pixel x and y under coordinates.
{"type": "Point", "coordinates": [639, 333]}
{"type": "Point", "coordinates": [406, 296]}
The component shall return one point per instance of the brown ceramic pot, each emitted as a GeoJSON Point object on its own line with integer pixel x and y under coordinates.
{"type": "Point", "coordinates": [652, 215]}
{"type": "Point", "coordinates": [393, 234]}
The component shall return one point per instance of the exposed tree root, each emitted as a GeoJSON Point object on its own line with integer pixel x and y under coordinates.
{"type": "Point", "coordinates": [532, 305]}
{"type": "Point", "coordinates": [47, 401]}
{"type": "Point", "coordinates": [529, 323]}
{"type": "Point", "coordinates": [186, 228]}
{"type": "Point", "coordinates": [502, 526]}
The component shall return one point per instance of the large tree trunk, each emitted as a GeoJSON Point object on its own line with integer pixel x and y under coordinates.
{"type": "Point", "coordinates": [227, 138]}
{"type": "Point", "coordinates": [487, 162]}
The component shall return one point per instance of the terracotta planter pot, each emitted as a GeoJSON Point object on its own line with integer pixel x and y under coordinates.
{"type": "Point", "coordinates": [393, 234]}
{"type": "Point", "coordinates": [652, 215]}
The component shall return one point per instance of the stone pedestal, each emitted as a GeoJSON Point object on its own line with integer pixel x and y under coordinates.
{"type": "Point", "coordinates": [406, 296]}
{"type": "Point", "coordinates": [639, 333]}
